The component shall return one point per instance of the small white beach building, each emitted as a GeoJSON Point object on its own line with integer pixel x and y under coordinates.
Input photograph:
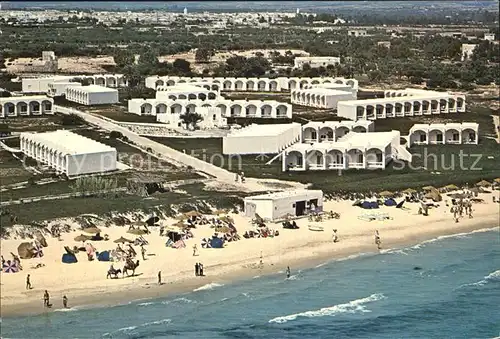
{"type": "Point", "coordinates": [276, 206]}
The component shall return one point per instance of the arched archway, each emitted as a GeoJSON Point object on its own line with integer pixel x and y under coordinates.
{"type": "Point", "coordinates": [111, 82]}
{"type": "Point", "coordinates": [192, 96]}
{"type": "Point", "coordinates": [22, 108]}
{"type": "Point", "coordinates": [292, 84]}
{"type": "Point", "coordinates": [146, 108]}
{"type": "Point", "coordinates": [350, 83]}
{"type": "Point", "coordinates": [334, 159]}
{"type": "Point", "coordinates": [452, 136]}
{"type": "Point", "coordinates": [374, 158]}
{"type": "Point", "coordinates": [170, 83]}
{"type": "Point", "coordinates": [281, 111]}
{"type": "Point", "coordinates": [236, 110]}
{"type": "Point", "coordinates": [315, 159]}
{"type": "Point", "coordinates": [223, 109]}
{"type": "Point", "coordinates": [202, 96]}
{"type": "Point", "coordinates": [469, 136]}
{"type": "Point", "coordinates": [46, 107]}
{"type": "Point", "coordinates": [238, 85]}
{"type": "Point", "coordinates": [251, 111]}
{"type": "Point", "coordinates": [341, 131]}
{"type": "Point", "coordinates": [355, 158]}
{"type": "Point", "coordinates": [261, 86]}
{"type": "Point", "coordinates": [9, 109]}
{"type": "Point", "coordinates": [250, 85]}
{"type": "Point", "coordinates": [190, 108]}
{"type": "Point", "coordinates": [266, 111]}
{"type": "Point", "coordinates": [294, 160]}
{"type": "Point", "coordinates": [310, 134]}
{"type": "Point", "coordinates": [182, 97]}
{"type": "Point", "coordinates": [326, 134]}
{"type": "Point", "coordinates": [212, 96]}
{"type": "Point", "coordinates": [176, 109]}
{"type": "Point", "coordinates": [161, 108]}
{"type": "Point", "coordinates": [436, 136]}
{"type": "Point", "coordinates": [360, 112]}
{"type": "Point", "coordinates": [359, 129]}
{"type": "Point", "coordinates": [227, 85]}
{"type": "Point", "coordinates": [273, 86]}
{"type": "Point", "coordinates": [100, 81]}
{"type": "Point", "coordinates": [34, 107]}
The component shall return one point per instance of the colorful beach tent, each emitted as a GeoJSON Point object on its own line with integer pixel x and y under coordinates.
{"type": "Point", "coordinates": [369, 205]}
{"type": "Point", "coordinates": [390, 202]}
{"type": "Point", "coordinates": [69, 258]}
{"type": "Point", "coordinates": [103, 256]}
{"type": "Point", "coordinates": [216, 242]}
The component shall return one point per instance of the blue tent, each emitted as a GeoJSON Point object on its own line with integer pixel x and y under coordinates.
{"type": "Point", "coordinates": [68, 258]}
{"type": "Point", "coordinates": [216, 242]}
{"type": "Point", "coordinates": [374, 204]}
{"type": "Point", "coordinates": [365, 205]}
{"type": "Point", "coordinates": [390, 202]}
{"type": "Point", "coordinates": [103, 256]}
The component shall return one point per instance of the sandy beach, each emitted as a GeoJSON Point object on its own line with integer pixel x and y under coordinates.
{"type": "Point", "coordinates": [85, 283]}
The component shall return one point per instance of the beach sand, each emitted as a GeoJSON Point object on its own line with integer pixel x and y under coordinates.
{"type": "Point", "coordinates": [85, 283]}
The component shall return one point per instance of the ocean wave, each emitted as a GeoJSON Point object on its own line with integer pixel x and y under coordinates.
{"type": "Point", "coordinates": [321, 265]}
{"type": "Point", "coordinates": [146, 304]}
{"type": "Point", "coordinates": [131, 328]}
{"type": "Point", "coordinates": [456, 235]}
{"type": "Point", "coordinates": [494, 276]}
{"type": "Point", "coordinates": [354, 306]}
{"type": "Point", "coordinates": [394, 251]}
{"type": "Point", "coordinates": [256, 277]}
{"type": "Point", "coordinates": [210, 286]}
{"type": "Point", "coordinates": [179, 300]}
{"type": "Point", "coordinates": [352, 256]}
{"type": "Point", "coordinates": [293, 277]}
{"type": "Point", "coordinates": [71, 309]}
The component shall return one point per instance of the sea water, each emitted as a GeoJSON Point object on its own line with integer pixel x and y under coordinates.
{"type": "Point", "coordinates": [445, 288]}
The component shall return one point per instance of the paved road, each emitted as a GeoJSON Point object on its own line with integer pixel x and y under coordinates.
{"type": "Point", "coordinates": [175, 156]}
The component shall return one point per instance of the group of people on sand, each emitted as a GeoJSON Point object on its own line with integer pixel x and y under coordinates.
{"type": "Point", "coordinates": [198, 270]}
{"type": "Point", "coordinates": [459, 209]}
{"type": "Point", "coordinates": [240, 176]}
{"type": "Point", "coordinates": [46, 300]}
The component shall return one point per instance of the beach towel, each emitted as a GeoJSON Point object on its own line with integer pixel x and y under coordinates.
{"type": "Point", "coordinates": [179, 244]}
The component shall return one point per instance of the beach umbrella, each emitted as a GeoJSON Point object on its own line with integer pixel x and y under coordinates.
{"type": "Point", "coordinates": [483, 183]}
{"type": "Point", "coordinates": [410, 191]}
{"type": "Point", "coordinates": [26, 250]}
{"type": "Point", "coordinates": [386, 194]}
{"type": "Point", "coordinates": [223, 229]}
{"type": "Point", "coordinates": [137, 231]}
{"type": "Point", "coordinates": [451, 187]}
{"type": "Point", "coordinates": [41, 239]}
{"type": "Point", "coordinates": [227, 219]}
{"type": "Point", "coordinates": [38, 253]}
{"type": "Point", "coordinates": [428, 188]}
{"type": "Point", "coordinates": [92, 230]}
{"type": "Point", "coordinates": [434, 195]}
{"type": "Point", "coordinates": [82, 237]}
{"type": "Point", "coordinates": [122, 240]}
{"type": "Point", "coordinates": [10, 267]}
{"type": "Point", "coordinates": [193, 214]}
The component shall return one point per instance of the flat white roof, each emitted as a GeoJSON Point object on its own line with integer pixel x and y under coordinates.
{"type": "Point", "coordinates": [255, 130]}
{"type": "Point", "coordinates": [456, 125]}
{"type": "Point", "coordinates": [95, 89]}
{"type": "Point", "coordinates": [323, 91]}
{"type": "Point", "coordinates": [25, 98]}
{"type": "Point", "coordinates": [284, 194]}
{"type": "Point", "coordinates": [68, 142]}
{"type": "Point", "coordinates": [183, 87]}
{"type": "Point", "coordinates": [349, 141]}
{"type": "Point", "coordinates": [346, 123]}
{"type": "Point", "coordinates": [417, 96]}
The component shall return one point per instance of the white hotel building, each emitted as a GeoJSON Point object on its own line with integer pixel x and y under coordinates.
{"type": "Point", "coordinates": [32, 105]}
{"type": "Point", "coordinates": [55, 85]}
{"type": "Point", "coordinates": [69, 153]}
{"type": "Point", "coordinates": [372, 150]}
{"type": "Point", "coordinates": [440, 134]}
{"type": "Point", "coordinates": [250, 84]}
{"type": "Point", "coordinates": [405, 103]}
{"type": "Point", "coordinates": [181, 99]}
{"type": "Point", "coordinates": [91, 95]}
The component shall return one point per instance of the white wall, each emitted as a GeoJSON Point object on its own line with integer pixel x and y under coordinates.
{"type": "Point", "coordinates": [37, 85]}
{"type": "Point", "coordinates": [103, 98]}
{"type": "Point", "coordinates": [91, 163]}
{"type": "Point", "coordinates": [346, 111]}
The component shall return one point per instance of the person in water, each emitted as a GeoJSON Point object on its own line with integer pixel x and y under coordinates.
{"type": "Point", "coordinates": [378, 242]}
{"type": "Point", "coordinates": [65, 301]}
{"type": "Point", "coordinates": [288, 272]}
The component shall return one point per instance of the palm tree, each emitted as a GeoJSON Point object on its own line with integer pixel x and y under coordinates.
{"type": "Point", "coordinates": [191, 119]}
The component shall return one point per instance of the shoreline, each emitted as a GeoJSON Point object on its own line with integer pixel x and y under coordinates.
{"type": "Point", "coordinates": [146, 288]}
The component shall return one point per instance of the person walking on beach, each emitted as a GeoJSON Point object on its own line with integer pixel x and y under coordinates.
{"type": "Point", "coordinates": [335, 236]}
{"type": "Point", "coordinates": [378, 242]}
{"type": "Point", "coordinates": [201, 270]}
{"type": "Point", "coordinates": [46, 299]}
{"type": "Point", "coordinates": [288, 272]}
{"type": "Point", "coordinates": [65, 301]}
{"type": "Point", "coordinates": [143, 252]}
{"type": "Point", "coordinates": [197, 269]}
{"type": "Point", "coordinates": [195, 249]}
{"type": "Point", "coordinates": [159, 277]}
{"type": "Point", "coordinates": [28, 282]}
